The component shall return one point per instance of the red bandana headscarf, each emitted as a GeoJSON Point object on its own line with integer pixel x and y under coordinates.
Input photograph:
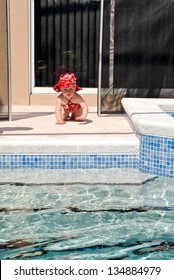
{"type": "Point", "coordinates": [66, 80]}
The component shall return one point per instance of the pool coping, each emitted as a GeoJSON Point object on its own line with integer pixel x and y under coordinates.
{"type": "Point", "coordinates": [69, 144]}
{"type": "Point", "coordinates": [149, 115]}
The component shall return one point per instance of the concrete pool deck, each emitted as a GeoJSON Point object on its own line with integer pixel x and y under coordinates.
{"type": "Point", "coordinates": [33, 129]}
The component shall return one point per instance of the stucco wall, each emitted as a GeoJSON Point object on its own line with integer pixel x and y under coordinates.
{"type": "Point", "coordinates": [19, 51]}
{"type": "Point", "coordinates": [3, 55]}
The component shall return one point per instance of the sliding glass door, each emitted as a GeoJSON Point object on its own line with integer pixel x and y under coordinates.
{"type": "Point", "coordinates": [66, 40]}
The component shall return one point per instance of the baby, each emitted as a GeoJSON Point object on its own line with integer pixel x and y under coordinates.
{"type": "Point", "coordinates": [69, 103]}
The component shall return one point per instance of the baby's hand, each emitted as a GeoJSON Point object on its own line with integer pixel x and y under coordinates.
{"type": "Point", "coordinates": [61, 122]}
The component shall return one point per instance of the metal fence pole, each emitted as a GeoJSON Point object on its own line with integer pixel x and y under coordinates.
{"type": "Point", "coordinates": [100, 59]}
{"type": "Point", "coordinates": [9, 61]}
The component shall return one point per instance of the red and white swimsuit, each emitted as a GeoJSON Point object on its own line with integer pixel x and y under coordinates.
{"type": "Point", "coordinates": [71, 107]}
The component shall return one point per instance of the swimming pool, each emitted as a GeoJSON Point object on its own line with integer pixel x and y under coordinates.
{"type": "Point", "coordinates": [119, 214]}
{"type": "Point", "coordinates": [88, 200]}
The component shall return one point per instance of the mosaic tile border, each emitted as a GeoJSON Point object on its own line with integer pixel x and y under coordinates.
{"type": "Point", "coordinates": [157, 155]}
{"type": "Point", "coordinates": [10, 161]}
{"type": "Point", "coordinates": [171, 114]}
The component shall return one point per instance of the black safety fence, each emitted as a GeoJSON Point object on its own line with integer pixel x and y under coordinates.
{"type": "Point", "coordinates": [136, 43]}
{"type": "Point", "coordinates": [143, 52]}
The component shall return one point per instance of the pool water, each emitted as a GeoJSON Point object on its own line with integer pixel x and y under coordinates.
{"type": "Point", "coordinates": [87, 221]}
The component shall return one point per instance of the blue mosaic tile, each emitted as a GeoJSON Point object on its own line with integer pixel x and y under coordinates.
{"type": "Point", "coordinates": [68, 161]}
{"type": "Point", "coordinates": [157, 155]}
{"type": "Point", "coordinates": [171, 113]}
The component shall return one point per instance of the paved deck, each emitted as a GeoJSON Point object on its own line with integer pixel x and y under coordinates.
{"type": "Point", "coordinates": [33, 129]}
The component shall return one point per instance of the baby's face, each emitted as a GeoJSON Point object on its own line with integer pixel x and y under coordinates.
{"type": "Point", "coordinates": [68, 92]}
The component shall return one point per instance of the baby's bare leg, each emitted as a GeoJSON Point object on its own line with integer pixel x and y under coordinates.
{"type": "Point", "coordinates": [76, 113]}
